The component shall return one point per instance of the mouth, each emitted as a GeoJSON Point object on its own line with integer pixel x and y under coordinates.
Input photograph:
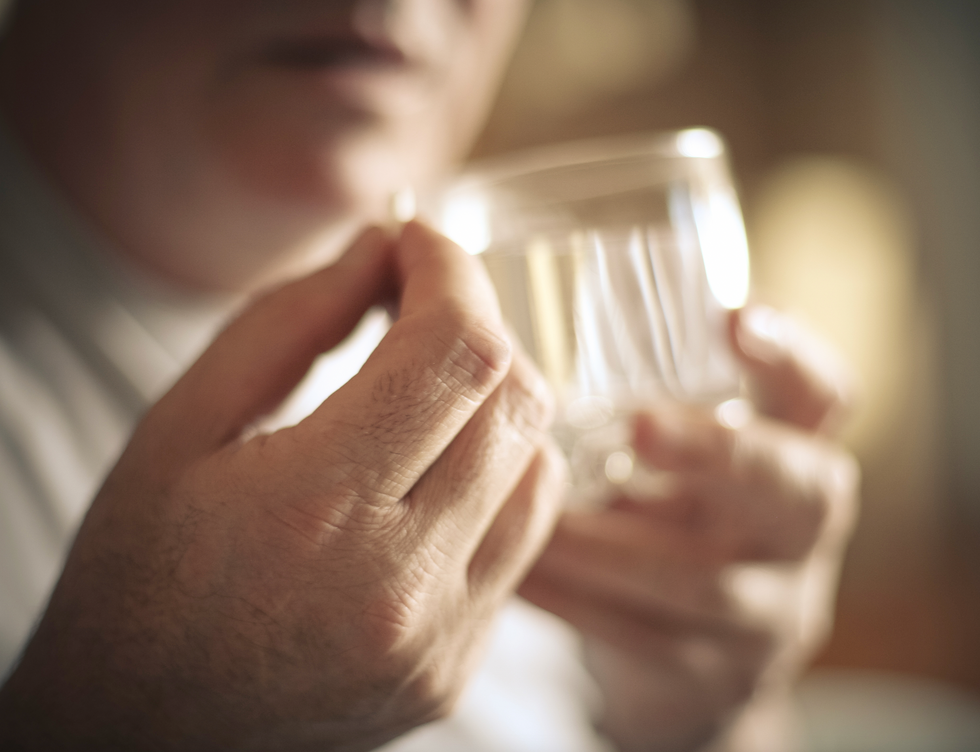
{"type": "Point", "coordinates": [365, 66]}
{"type": "Point", "coordinates": [334, 53]}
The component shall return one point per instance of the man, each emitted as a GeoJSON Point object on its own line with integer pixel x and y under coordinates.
{"type": "Point", "coordinates": [329, 585]}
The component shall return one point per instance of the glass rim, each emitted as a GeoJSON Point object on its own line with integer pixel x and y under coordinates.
{"type": "Point", "coordinates": [686, 144]}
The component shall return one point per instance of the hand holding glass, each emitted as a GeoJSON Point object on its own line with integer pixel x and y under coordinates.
{"type": "Point", "coordinates": [615, 262]}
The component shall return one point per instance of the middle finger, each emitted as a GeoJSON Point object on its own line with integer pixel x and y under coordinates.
{"type": "Point", "coordinates": [636, 561]}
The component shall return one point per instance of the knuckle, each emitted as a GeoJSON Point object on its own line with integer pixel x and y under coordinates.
{"type": "Point", "coordinates": [347, 471]}
{"type": "Point", "coordinates": [830, 507]}
{"type": "Point", "coordinates": [529, 400]}
{"type": "Point", "coordinates": [474, 347]}
{"type": "Point", "coordinates": [733, 450]}
{"type": "Point", "coordinates": [695, 441]}
{"type": "Point", "coordinates": [555, 465]}
{"type": "Point", "coordinates": [466, 351]}
{"type": "Point", "coordinates": [389, 629]}
{"type": "Point", "coordinates": [841, 492]}
{"type": "Point", "coordinates": [434, 691]}
{"type": "Point", "coordinates": [809, 518]}
{"type": "Point", "coordinates": [401, 649]}
{"type": "Point", "coordinates": [807, 488]}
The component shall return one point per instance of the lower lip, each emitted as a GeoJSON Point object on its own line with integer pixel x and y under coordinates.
{"type": "Point", "coordinates": [360, 80]}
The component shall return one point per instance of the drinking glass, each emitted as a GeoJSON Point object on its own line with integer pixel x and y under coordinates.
{"type": "Point", "coordinates": [615, 261]}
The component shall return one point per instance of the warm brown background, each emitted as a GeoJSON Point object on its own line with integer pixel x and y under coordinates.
{"type": "Point", "coordinates": [854, 129]}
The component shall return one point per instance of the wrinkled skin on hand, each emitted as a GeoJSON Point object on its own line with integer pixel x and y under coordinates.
{"type": "Point", "coordinates": [700, 601]}
{"type": "Point", "coordinates": [325, 586]}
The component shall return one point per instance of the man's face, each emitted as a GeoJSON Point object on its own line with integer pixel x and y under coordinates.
{"type": "Point", "coordinates": [247, 119]}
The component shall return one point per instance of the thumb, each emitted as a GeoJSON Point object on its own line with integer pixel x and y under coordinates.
{"type": "Point", "coordinates": [793, 375]}
{"type": "Point", "coordinates": [261, 356]}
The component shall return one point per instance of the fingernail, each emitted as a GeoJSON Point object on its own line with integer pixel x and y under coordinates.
{"type": "Point", "coordinates": [402, 205]}
{"type": "Point", "coordinates": [735, 413]}
{"type": "Point", "coordinates": [763, 333]}
{"type": "Point", "coordinates": [659, 432]}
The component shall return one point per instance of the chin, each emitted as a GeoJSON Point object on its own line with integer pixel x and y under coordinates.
{"type": "Point", "coordinates": [326, 157]}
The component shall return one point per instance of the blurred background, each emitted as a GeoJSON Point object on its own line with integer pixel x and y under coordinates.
{"type": "Point", "coordinates": [854, 130]}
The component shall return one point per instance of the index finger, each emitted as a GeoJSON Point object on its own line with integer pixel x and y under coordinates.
{"type": "Point", "coordinates": [439, 362]}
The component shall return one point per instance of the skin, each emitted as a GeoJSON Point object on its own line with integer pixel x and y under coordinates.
{"type": "Point", "coordinates": [321, 586]}
{"type": "Point", "coordinates": [229, 144]}
{"type": "Point", "coordinates": [330, 584]}
{"type": "Point", "coordinates": [684, 651]}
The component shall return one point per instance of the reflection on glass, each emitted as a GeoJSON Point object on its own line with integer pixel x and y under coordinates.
{"type": "Point", "coordinates": [614, 263]}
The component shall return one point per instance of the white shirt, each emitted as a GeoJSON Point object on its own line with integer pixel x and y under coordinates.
{"type": "Point", "coordinates": [86, 345]}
